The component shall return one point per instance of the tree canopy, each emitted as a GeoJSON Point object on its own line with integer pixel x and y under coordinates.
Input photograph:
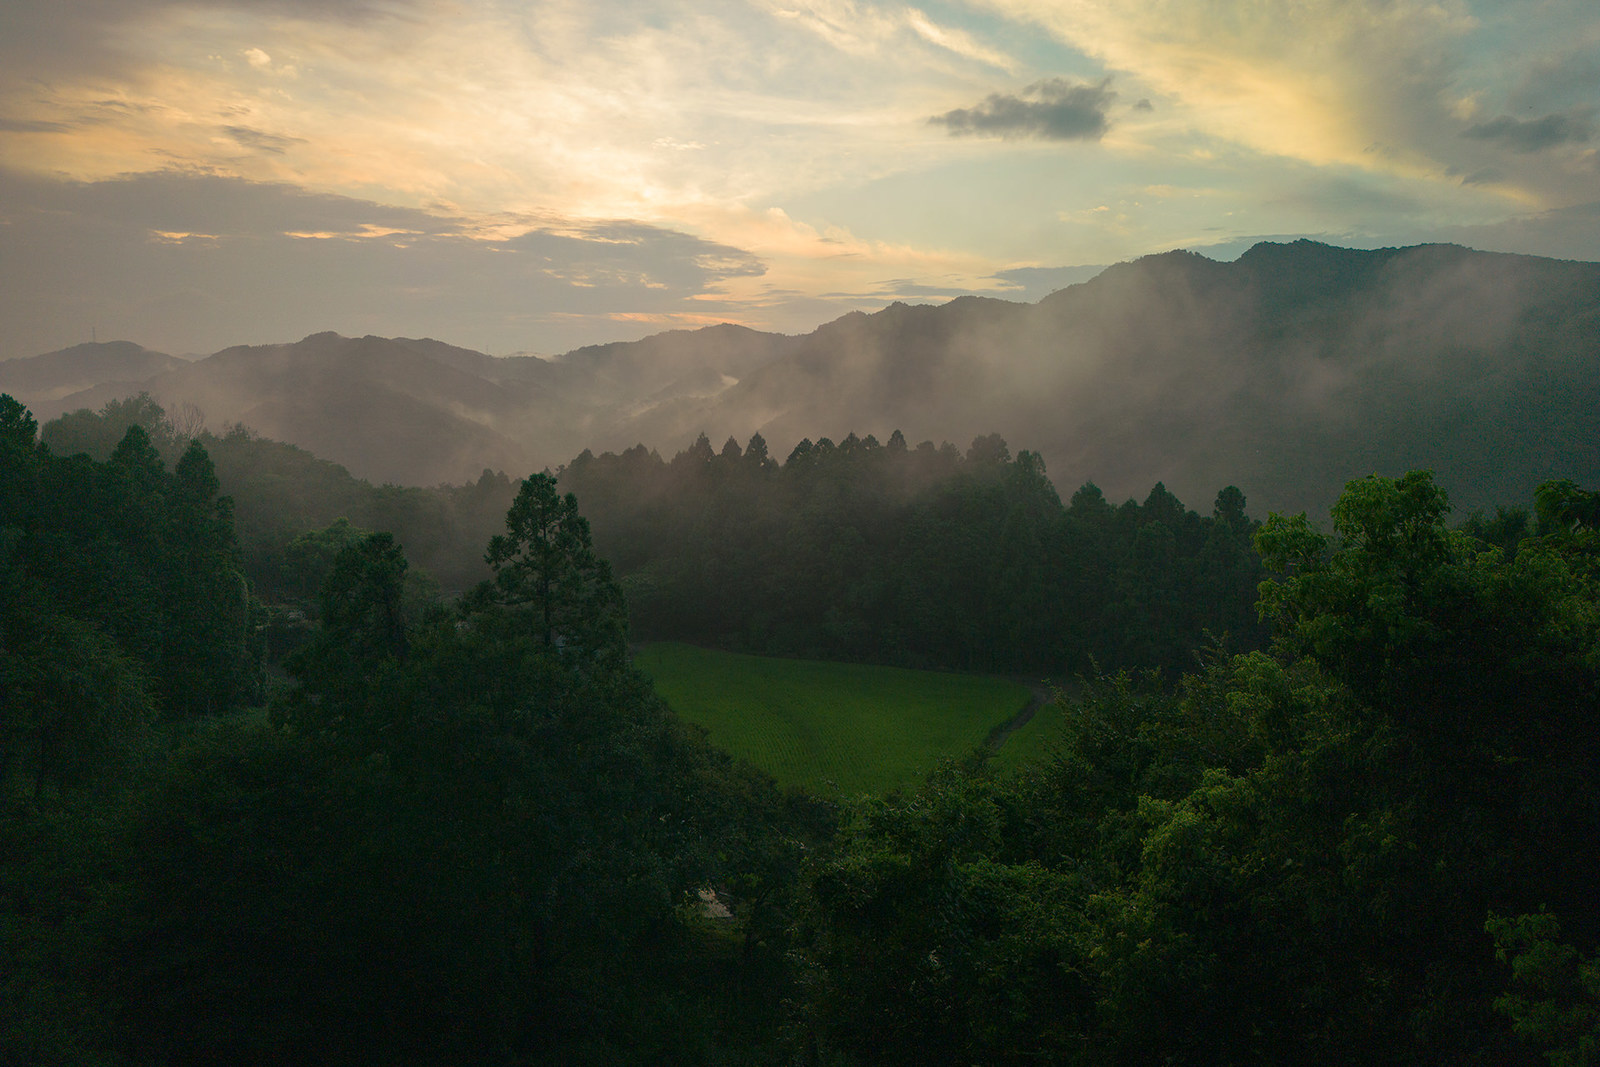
{"type": "Point", "coordinates": [466, 830]}
{"type": "Point", "coordinates": [918, 556]}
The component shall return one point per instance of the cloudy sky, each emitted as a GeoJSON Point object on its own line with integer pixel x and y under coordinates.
{"type": "Point", "coordinates": [517, 175]}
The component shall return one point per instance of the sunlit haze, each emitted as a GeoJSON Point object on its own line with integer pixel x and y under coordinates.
{"type": "Point", "coordinates": [536, 176]}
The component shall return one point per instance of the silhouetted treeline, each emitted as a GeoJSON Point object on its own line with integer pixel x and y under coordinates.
{"type": "Point", "coordinates": [922, 556]}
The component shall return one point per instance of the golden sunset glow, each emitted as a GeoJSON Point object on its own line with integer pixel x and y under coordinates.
{"type": "Point", "coordinates": [772, 163]}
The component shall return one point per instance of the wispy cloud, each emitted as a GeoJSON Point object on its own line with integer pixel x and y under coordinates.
{"type": "Point", "coordinates": [261, 140]}
{"type": "Point", "coordinates": [957, 41]}
{"type": "Point", "coordinates": [33, 126]}
{"type": "Point", "coordinates": [1313, 80]}
{"type": "Point", "coordinates": [1378, 85]}
{"type": "Point", "coordinates": [860, 27]}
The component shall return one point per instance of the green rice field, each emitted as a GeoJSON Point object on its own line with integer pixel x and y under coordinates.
{"type": "Point", "coordinates": [832, 728]}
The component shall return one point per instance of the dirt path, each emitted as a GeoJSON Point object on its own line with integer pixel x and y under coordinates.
{"type": "Point", "coordinates": [1043, 694]}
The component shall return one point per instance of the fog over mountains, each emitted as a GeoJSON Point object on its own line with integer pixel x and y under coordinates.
{"type": "Point", "coordinates": [1286, 372]}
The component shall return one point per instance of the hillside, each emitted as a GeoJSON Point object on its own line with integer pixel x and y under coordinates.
{"type": "Point", "coordinates": [414, 412]}
{"type": "Point", "coordinates": [1284, 372]}
{"type": "Point", "coordinates": [44, 382]}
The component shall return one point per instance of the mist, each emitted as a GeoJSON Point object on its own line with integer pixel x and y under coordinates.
{"type": "Point", "coordinates": [1287, 372]}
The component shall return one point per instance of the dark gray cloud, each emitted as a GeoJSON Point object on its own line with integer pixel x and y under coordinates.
{"type": "Point", "coordinates": [1535, 135]}
{"type": "Point", "coordinates": [1560, 81]}
{"type": "Point", "coordinates": [1054, 110]}
{"type": "Point", "coordinates": [186, 262]}
{"type": "Point", "coordinates": [262, 141]}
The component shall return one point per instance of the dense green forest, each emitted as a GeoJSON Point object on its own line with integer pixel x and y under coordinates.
{"type": "Point", "coordinates": [281, 492]}
{"type": "Point", "coordinates": [465, 833]}
{"type": "Point", "coordinates": [466, 830]}
{"type": "Point", "coordinates": [922, 556]}
{"type": "Point", "coordinates": [915, 556]}
{"type": "Point", "coordinates": [1325, 854]}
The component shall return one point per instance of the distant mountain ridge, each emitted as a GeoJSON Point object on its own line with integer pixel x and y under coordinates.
{"type": "Point", "coordinates": [405, 410]}
{"type": "Point", "coordinates": [1286, 372]}
{"type": "Point", "coordinates": [45, 380]}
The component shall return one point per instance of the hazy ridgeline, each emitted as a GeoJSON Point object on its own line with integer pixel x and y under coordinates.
{"type": "Point", "coordinates": [1285, 373]}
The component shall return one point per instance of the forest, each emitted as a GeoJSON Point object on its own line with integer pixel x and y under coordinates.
{"type": "Point", "coordinates": [297, 769]}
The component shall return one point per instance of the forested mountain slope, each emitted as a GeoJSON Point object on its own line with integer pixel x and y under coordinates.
{"type": "Point", "coordinates": [1283, 373]}
{"type": "Point", "coordinates": [406, 411]}
{"type": "Point", "coordinates": [926, 557]}
{"type": "Point", "coordinates": [466, 834]}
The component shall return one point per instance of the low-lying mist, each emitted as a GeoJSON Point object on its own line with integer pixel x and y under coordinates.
{"type": "Point", "coordinates": [1287, 372]}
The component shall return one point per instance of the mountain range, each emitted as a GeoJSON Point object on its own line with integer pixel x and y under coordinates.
{"type": "Point", "coordinates": [1286, 372]}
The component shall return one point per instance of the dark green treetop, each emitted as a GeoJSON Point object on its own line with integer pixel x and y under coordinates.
{"type": "Point", "coordinates": [546, 568]}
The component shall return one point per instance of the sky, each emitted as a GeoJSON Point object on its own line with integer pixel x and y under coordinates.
{"type": "Point", "coordinates": [518, 176]}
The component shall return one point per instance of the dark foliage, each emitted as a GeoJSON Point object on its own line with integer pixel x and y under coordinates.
{"type": "Point", "coordinates": [470, 833]}
{"type": "Point", "coordinates": [918, 556]}
{"type": "Point", "coordinates": [282, 492]}
{"type": "Point", "coordinates": [126, 562]}
{"type": "Point", "coordinates": [466, 834]}
{"type": "Point", "coordinates": [1290, 859]}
